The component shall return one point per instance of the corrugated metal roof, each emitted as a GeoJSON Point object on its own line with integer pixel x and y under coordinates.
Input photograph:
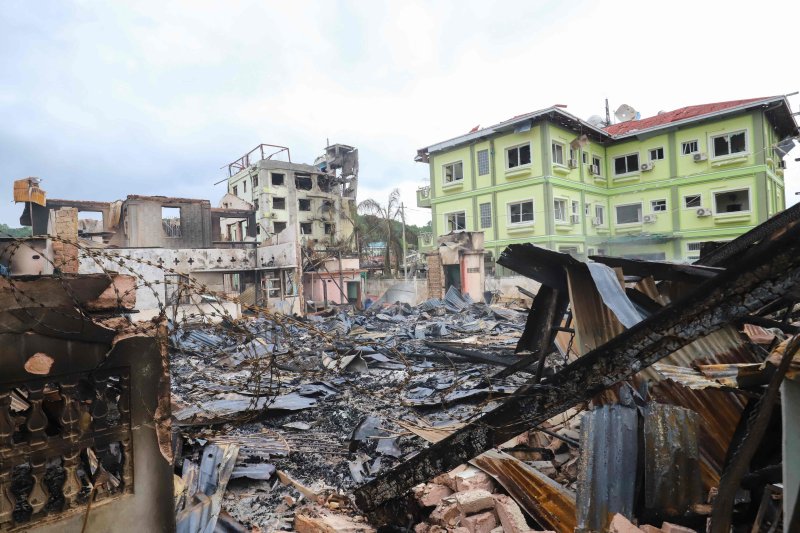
{"type": "Point", "coordinates": [671, 460]}
{"type": "Point", "coordinates": [607, 466]}
{"type": "Point", "coordinates": [546, 501]}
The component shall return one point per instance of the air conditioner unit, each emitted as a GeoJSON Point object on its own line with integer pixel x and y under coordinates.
{"type": "Point", "coordinates": [646, 166]}
{"type": "Point", "coordinates": [594, 170]}
{"type": "Point", "coordinates": [649, 219]}
{"type": "Point", "coordinates": [597, 222]}
{"type": "Point", "coordinates": [575, 219]}
{"type": "Point", "coordinates": [704, 212]}
{"type": "Point", "coordinates": [781, 164]}
{"type": "Point", "coordinates": [573, 163]}
{"type": "Point", "coordinates": [699, 156]}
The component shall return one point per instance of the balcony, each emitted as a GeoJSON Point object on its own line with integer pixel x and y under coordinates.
{"type": "Point", "coordinates": [425, 241]}
{"type": "Point", "coordinates": [424, 197]}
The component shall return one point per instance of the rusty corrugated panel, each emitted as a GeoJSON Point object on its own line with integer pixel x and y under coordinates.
{"type": "Point", "coordinates": [28, 190]}
{"type": "Point", "coordinates": [607, 466]}
{"type": "Point", "coordinates": [733, 375]}
{"type": "Point", "coordinates": [594, 323]}
{"type": "Point", "coordinates": [719, 414]}
{"type": "Point", "coordinates": [550, 504]}
{"type": "Point", "coordinates": [672, 460]}
{"type": "Point", "coordinates": [686, 376]}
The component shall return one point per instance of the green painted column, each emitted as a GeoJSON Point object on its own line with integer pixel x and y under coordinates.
{"type": "Point", "coordinates": [495, 216]}
{"type": "Point", "coordinates": [472, 172]}
{"type": "Point", "coordinates": [492, 162]}
{"type": "Point", "coordinates": [547, 167]}
{"type": "Point", "coordinates": [761, 200]}
{"type": "Point", "coordinates": [434, 208]}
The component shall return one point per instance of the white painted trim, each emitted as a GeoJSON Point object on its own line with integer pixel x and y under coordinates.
{"type": "Point", "coordinates": [650, 157]}
{"type": "Point", "coordinates": [444, 220]}
{"type": "Point", "coordinates": [630, 172]}
{"type": "Point", "coordinates": [690, 153]}
{"type": "Point", "coordinates": [514, 147]}
{"type": "Point", "coordinates": [666, 205]}
{"type": "Point", "coordinates": [729, 156]}
{"type": "Point", "coordinates": [564, 157]}
{"type": "Point", "coordinates": [641, 214]}
{"type": "Point", "coordinates": [683, 201]}
{"type": "Point", "coordinates": [567, 208]}
{"type": "Point", "coordinates": [523, 223]}
{"type": "Point", "coordinates": [446, 183]}
{"type": "Point", "coordinates": [734, 213]}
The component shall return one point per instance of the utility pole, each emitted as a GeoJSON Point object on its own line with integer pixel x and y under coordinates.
{"type": "Point", "coordinates": [405, 254]}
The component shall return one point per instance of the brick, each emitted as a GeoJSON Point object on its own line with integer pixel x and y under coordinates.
{"type": "Point", "coordinates": [510, 515]}
{"type": "Point", "coordinates": [498, 529]}
{"type": "Point", "coordinates": [667, 527]}
{"type": "Point", "coordinates": [472, 479]}
{"type": "Point", "coordinates": [481, 523]}
{"type": "Point", "coordinates": [446, 513]}
{"type": "Point", "coordinates": [422, 527]}
{"type": "Point", "coordinates": [430, 494]}
{"type": "Point", "coordinates": [474, 501]}
{"type": "Point", "coordinates": [620, 524]}
{"type": "Point", "coordinates": [647, 528]}
{"type": "Point", "coordinates": [448, 479]}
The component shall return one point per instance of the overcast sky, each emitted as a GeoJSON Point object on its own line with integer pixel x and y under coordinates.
{"type": "Point", "coordinates": [105, 99]}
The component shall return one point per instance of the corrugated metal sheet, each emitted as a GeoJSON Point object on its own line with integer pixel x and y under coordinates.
{"type": "Point", "coordinates": [550, 504]}
{"type": "Point", "coordinates": [455, 301]}
{"type": "Point", "coordinates": [686, 376]}
{"type": "Point", "coordinates": [719, 414]}
{"type": "Point", "coordinates": [671, 460]}
{"type": "Point", "coordinates": [607, 466]}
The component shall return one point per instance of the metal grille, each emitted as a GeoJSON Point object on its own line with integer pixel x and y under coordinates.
{"type": "Point", "coordinates": [483, 162]}
{"type": "Point", "coordinates": [486, 215]}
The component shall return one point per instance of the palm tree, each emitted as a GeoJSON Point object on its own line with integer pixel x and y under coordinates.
{"type": "Point", "coordinates": [387, 216]}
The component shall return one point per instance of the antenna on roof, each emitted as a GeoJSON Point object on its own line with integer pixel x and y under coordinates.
{"type": "Point", "coordinates": [625, 113]}
{"type": "Point", "coordinates": [608, 117]}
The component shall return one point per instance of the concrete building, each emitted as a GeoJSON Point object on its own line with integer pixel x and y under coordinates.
{"type": "Point", "coordinates": [654, 188]}
{"type": "Point", "coordinates": [309, 206]}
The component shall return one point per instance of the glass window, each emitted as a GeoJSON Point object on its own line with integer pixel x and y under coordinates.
{"type": "Point", "coordinates": [600, 214]}
{"type": "Point", "coordinates": [657, 154]}
{"type": "Point", "coordinates": [560, 209]}
{"type": "Point", "coordinates": [597, 166]}
{"type": "Point", "coordinates": [483, 162]}
{"type": "Point", "coordinates": [453, 172]}
{"type": "Point", "coordinates": [518, 156]}
{"type": "Point", "coordinates": [692, 200]}
{"type": "Point", "coordinates": [689, 147]}
{"type": "Point", "coordinates": [457, 221]}
{"type": "Point", "coordinates": [486, 215]}
{"type": "Point", "coordinates": [585, 158]}
{"type": "Point", "coordinates": [732, 201]}
{"type": "Point", "coordinates": [520, 212]}
{"type": "Point", "coordinates": [658, 205]}
{"type": "Point", "coordinates": [626, 164]}
{"type": "Point", "coordinates": [558, 153]}
{"type": "Point", "coordinates": [730, 143]}
{"type": "Point", "coordinates": [629, 214]}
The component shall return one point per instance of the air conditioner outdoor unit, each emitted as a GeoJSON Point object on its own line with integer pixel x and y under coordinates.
{"type": "Point", "coordinates": [594, 170]}
{"type": "Point", "coordinates": [704, 212]}
{"type": "Point", "coordinates": [597, 222]}
{"type": "Point", "coordinates": [573, 163]}
{"type": "Point", "coordinates": [649, 219]}
{"type": "Point", "coordinates": [699, 156]}
{"type": "Point", "coordinates": [575, 219]}
{"type": "Point", "coordinates": [646, 166]}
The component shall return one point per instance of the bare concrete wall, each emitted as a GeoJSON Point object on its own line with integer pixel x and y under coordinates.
{"type": "Point", "coordinates": [142, 223]}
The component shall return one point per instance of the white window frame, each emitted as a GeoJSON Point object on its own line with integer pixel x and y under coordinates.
{"type": "Point", "coordinates": [563, 147]}
{"type": "Point", "coordinates": [599, 165]}
{"type": "Point", "coordinates": [524, 222]}
{"type": "Point", "coordinates": [683, 203]}
{"type": "Point", "coordinates": [684, 143]}
{"type": "Point", "coordinates": [616, 214]}
{"type": "Point", "coordinates": [480, 215]}
{"type": "Point", "coordinates": [445, 183]}
{"type": "Point", "coordinates": [587, 209]}
{"type": "Point", "coordinates": [565, 202]}
{"type": "Point", "coordinates": [732, 213]}
{"type": "Point", "coordinates": [629, 172]}
{"type": "Point", "coordinates": [488, 162]}
{"type": "Point", "coordinates": [585, 157]}
{"type": "Point", "coordinates": [447, 217]}
{"type": "Point", "coordinates": [654, 210]}
{"type": "Point", "coordinates": [689, 252]}
{"type": "Point", "coordinates": [517, 147]}
{"type": "Point", "coordinates": [651, 150]}
{"type": "Point", "coordinates": [576, 207]}
{"type": "Point", "coordinates": [745, 152]}
{"type": "Point", "coordinates": [602, 208]}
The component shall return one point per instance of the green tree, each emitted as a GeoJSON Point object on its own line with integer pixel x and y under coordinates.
{"type": "Point", "coordinates": [7, 231]}
{"type": "Point", "coordinates": [387, 227]}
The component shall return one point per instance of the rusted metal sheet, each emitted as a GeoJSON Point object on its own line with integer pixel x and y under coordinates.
{"type": "Point", "coordinates": [607, 466]}
{"type": "Point", "coordinates": [687, 377]}
{"type": "Point", "coordinates": [719, 414]}
{"type": "Point", "coordinates": [595, 324]}
{"type": "Point", "coordinates": [546, 501]}
{"type": "Point", "coordinates": [671, 461]}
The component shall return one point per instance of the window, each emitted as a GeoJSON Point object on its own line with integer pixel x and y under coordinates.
{"type": "Point", "coordinates": [572, 155]}
{"type": "Point", "coordinates": [597, 165]}
{"type": "Point", "coordinates": [585, 158]}
{"type": "Point", "coordinates": [486, 215]}
{"type": "Point", "coordinates": [518, 156]}
{"type": "Point", "coordinates": [729, 144]}
{"type": "Point", "coordinates": [255, 204]}
{"type": "Point", "coordinates": [520, 212]}
{"type": "Point", "coordinates": [576, 208]}
{"type": "Point", "coordinates": [457, 221]}
{"type": "Point", "coordinates": [255, 181]}
{"type": "Point", "coordinates": [571, 250]}
{"type": "Point", "coordinates": [483, 162]}
{"type": "Point", "coordinates": [303, 182]}
{"type": "Point", "coordinates": [658, 206]}
{"type": "Point", "coordinates": [600, 214]}
{"type": "Point", "coordinates": [171, 221]}
{"type": "Point", "coordinates": [236, 190]}
{"type": "Point", "coordinates": [560, 209]}
{"type": "Point", "coordinates": [328, 228]}
{"type": "Point", "coordinates": [453, 172]}
{"type": "Point", "coordinates": [244, 187]}
{"type": "Point", "coordinates": [558, 153]}
{"type": "Point", "coordinates": [732, 201]}
{"type": "Point", "coordinates": [657, 154]}
{"type": "Point", "coordinates": [177, 289]}
{"type": "Point", "coordinates": [304, 204]}
{"type": "Point", "coordinates": [693, 250]}
{"type": "Point", "coordinates": [277, 179]}
{"type": "Point", "coordinates": [278, 226]}
{"type": "Point", "coordinates": [626, 164]}
{"type": "Point", "coordinates": [587, 209]}
{"type": "Point", "coordinates": [305, 228]}
{"type": "Point", "coordinates": [689, 147]}
{"type": "Point", "coordinates": [692, 200]}
{"type": "Point", "coordinates": [278, 203]}
{"type": "Point", "coordinates": [629, 214]}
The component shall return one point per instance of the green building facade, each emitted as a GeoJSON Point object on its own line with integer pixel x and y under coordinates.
{"type": "Point", "coordinates": [653, 188]}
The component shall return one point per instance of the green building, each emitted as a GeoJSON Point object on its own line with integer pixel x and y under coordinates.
{"type": "Point", "coordinates": [653, 188]}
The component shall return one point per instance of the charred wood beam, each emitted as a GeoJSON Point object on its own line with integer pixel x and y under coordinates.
{"type": "Point", "coordinates": [732, 477]}
{"type": "Point", "coordinates": [728, 297]}
{"type": "Point", "coordinates": [642, 300]}
{"type": "Point", "coordinates": [472, 355]}
{"type": "Point", "coordinates": [660, 271]}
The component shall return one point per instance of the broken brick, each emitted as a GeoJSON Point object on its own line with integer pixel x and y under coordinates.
{"type": "Point", "coordinates": [474, 501]}
{"type": "Point", "coordinates": [620, 524]}
{"type": "Point", "coordinates": [510, 515]}
{"type": "Point", "coordinates": [647, 528]}
{"type": "Point", "coordinates": [481, 523]}
{"type": "Point", "coordinates": [446, 513]}
{"type": "Point", "coordinates": [667, 527]}
{"type": "Point", "coordinates": [430, 494]}
{"type": "Point", "coordinates": [473, 479]}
